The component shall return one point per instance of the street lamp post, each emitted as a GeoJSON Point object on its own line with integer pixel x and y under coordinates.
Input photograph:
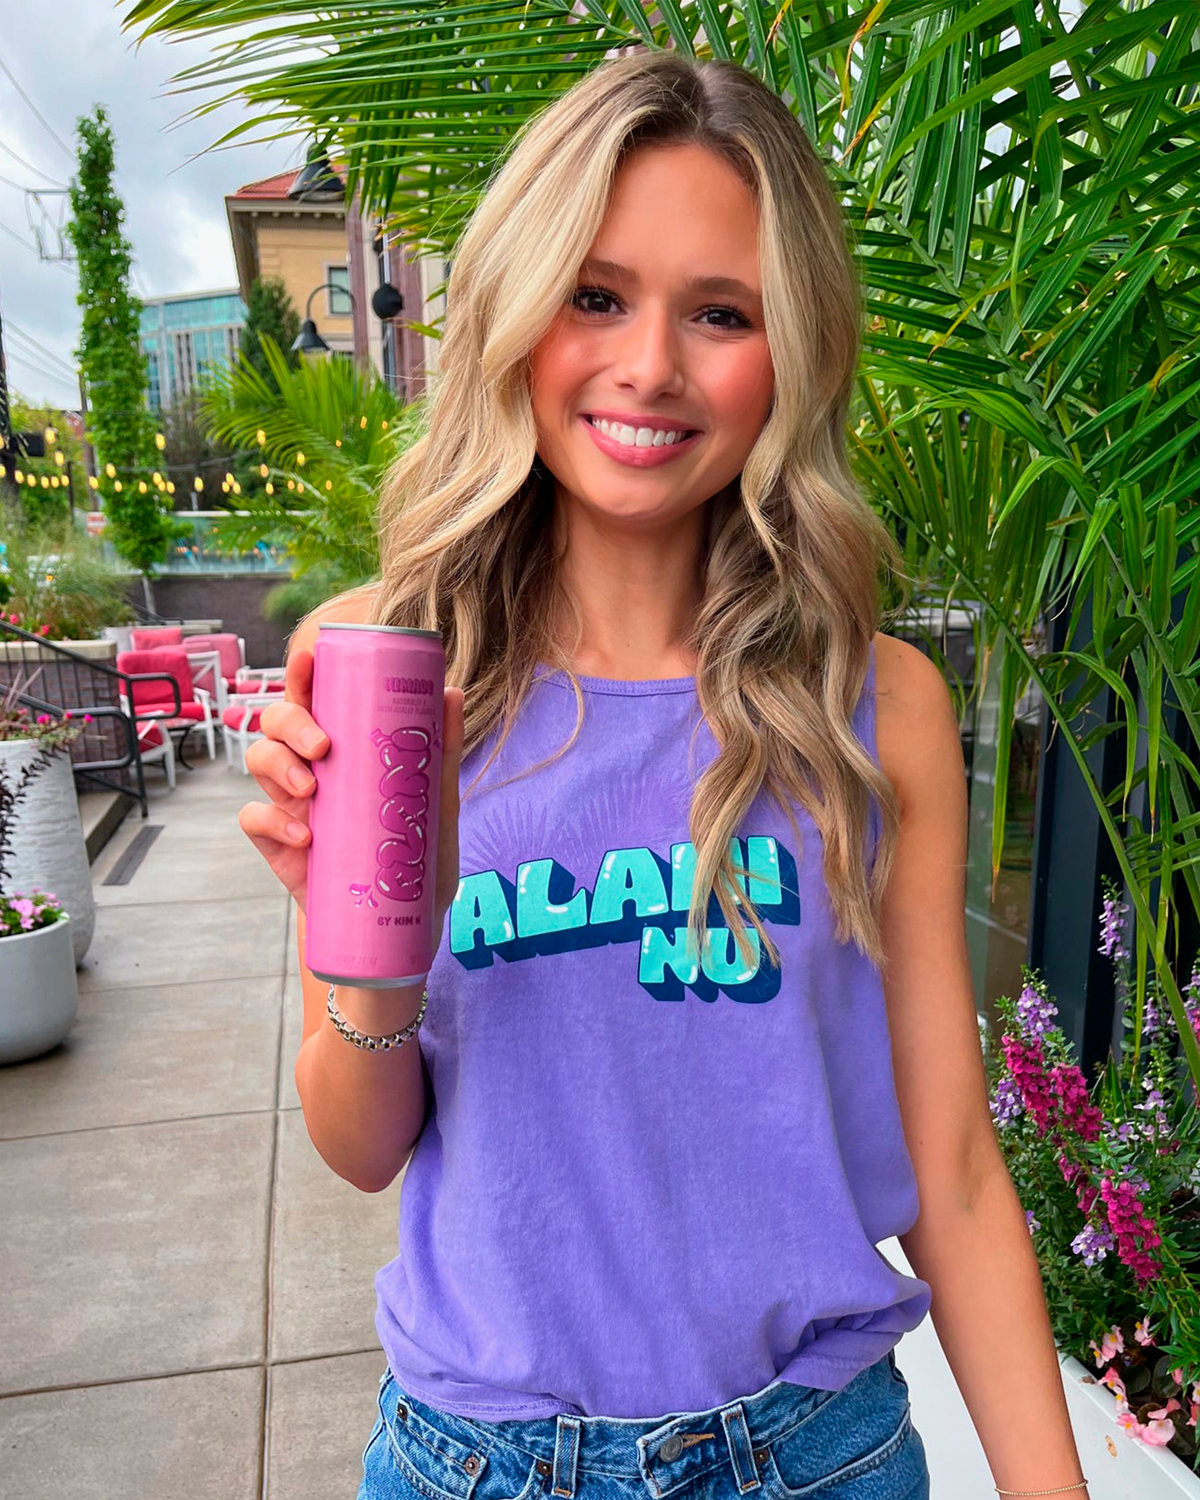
{"type": "Point", "coordinates": [309, 341]}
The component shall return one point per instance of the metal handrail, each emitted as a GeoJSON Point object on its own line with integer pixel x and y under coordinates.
{"type": "Point", "coordinates": [123, 684]}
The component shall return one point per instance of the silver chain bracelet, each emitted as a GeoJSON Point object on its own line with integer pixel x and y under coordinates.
{"type": "Point", "coordinates": [375, 1043]}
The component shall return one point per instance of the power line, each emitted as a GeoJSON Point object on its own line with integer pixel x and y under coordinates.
{"type": "Point", "coordinates": [53, 375]}
{"type": "Point", "coordinates": [37, 112]}
{"type": "Point", "coordinates": [49, 353]}
{"type": "Point", "coordinates": [29, 166]}
{"type": "Point", "coordinates": [29, 245]}
{"type": "Point", "coordinates": [20, 186]}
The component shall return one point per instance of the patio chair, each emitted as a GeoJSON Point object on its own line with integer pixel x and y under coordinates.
{"type": "Point", "coordinates": [156, 748]}
{"type": "Point", "coordinates": [242, 725]}
{"type": "Point", "coordinates": [154, 700]}
{"type": "Point", "coordinates": [232, 649]}
{"type": "Point", "coordinates": [260, 680]}
{"type": "Point", "coordinates": [148, 637]}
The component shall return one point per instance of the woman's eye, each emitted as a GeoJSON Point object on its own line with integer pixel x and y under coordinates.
{"type": "Point", "coordinates": [581, 294]}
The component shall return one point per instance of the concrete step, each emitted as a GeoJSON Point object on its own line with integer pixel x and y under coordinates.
{"type": "Point", "coordinates": [102, 813]}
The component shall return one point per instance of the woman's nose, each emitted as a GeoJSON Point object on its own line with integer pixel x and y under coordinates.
{"type": "Point", "coordinates": [650, 352]}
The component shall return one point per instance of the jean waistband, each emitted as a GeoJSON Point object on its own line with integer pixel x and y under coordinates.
{"type": "Point", "coordinates": [570, 1446]}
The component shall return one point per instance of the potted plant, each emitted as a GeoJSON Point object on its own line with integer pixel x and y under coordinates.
{"type": "Point", "coordinates": [41, 836]}
{"type": "Point", "coordinates": [38, 992]}
{"type": "Point", "coordinates": [1109, 1175]}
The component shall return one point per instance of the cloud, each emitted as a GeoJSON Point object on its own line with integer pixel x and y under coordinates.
{"type": "Point", "coordinates": [175, 212]}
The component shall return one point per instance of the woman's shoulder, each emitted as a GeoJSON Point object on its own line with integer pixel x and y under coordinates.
{"type": "Point", "coordinates": [915, 718]}
{"type": "Point", "coordinates": [351, 607]}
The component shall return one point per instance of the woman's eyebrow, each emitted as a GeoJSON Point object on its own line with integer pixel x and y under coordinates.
{"type": "Point", "coordinates": [712, 284]}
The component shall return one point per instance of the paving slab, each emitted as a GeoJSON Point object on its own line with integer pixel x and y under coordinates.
{"type": "Point", "coordinates": [134, 1251]}
{"type": "Point", "coordinates": [329, 1240]}
{"type": "Point", "coordinates": [149, 1053]}
{"type": "Point", "coordinates": [293, 1035]}
{"type": "Point", "coordinates": [167, 941]}
{"type": "Point", "coordinates": [322, 1413]}
{"type": "Point", "coordinates": [188, 1435]}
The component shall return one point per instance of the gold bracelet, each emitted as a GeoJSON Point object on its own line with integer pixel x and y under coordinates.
{"type": "Point", "coordinates": [375, 1043]}
{"type": "Point", "coordinates": [1060, 1489]}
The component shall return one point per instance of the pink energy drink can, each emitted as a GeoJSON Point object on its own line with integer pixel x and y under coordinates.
{"type": "Point", "coordinates": [378, 695]}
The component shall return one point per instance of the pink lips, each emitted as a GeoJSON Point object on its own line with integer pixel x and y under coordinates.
{"type": "Point", "coordinates": [638, 458]}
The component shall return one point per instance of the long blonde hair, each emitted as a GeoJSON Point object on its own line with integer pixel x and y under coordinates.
{"type": "Point", "coordinates": [792, 567]}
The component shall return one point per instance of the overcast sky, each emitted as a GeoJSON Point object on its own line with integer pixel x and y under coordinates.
{"type": "Point", "coordinates": [75, 56]}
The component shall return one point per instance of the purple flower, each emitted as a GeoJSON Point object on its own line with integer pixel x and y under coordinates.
{"type": "Point", "coordinates": [1031, 1222]}
{"type": "Point", "coordinates": [1007, 1105]}
{"type": "Point", "coordinates": [1092, 1243]}
{"type": "Point", "coordinates": [1112, 924]}
{"type": "Point", "coordinates": [1150, 1017]}
{"type": "Point", "coordinates": [1035, 1012]}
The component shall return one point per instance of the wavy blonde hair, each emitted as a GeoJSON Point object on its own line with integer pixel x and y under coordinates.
{"type": "Point", "coordinates": [792, 567]}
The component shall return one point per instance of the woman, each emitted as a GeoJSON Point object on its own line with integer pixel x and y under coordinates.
{"type": "Point", "coordinates": [654, 1139]}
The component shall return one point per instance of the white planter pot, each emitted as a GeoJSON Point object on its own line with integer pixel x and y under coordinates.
{"type": "Point", "coordinates": [1117, 1466]}
{"type": "Point", "coordinates": [47, 846]}
{"type": "Point", "coordinates": [38, 993]}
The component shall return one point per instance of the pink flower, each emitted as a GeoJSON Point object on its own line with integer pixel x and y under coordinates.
{"type": "Point", "coordinates": [1135, 1230]}
{"type": "Point", "coordinates": [1112, 1344]}
{"type": "Point", "coordinates": [1078, 1113]}
{"type": "Point", "coordinates": [45, 630]}
{"type": "Point", "coordinates": [23, 906]}
{"type": "Point", "coordinates": [1141, 1332]}
{"type": "Point", "coordinates": [12, 619]}
{"type": "Point", "coordinates": [1114, 1382]}
{"type": "Point", "coordinates": [87, 718]}
{"type": "Point", "coordinates": [1157, 1432]}
{"type": "Point", "coordinates": [1027, 1065]}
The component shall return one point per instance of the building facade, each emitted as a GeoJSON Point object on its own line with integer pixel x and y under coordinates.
{"type": "Point", "coordinates": [184, 336]}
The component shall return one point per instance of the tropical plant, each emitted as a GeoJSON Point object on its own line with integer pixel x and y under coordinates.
{"type": "Point", "coordinates": [114, 369]}
{"type": "Point", "coordinates": [1110, 1180]}
{"type": "Point", "coordinates": [1022, 178]}
{"type": "Point", "coordinates": [326, 433]}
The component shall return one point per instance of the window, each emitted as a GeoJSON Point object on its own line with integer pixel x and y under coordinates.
{"type": "Point", "coordinates": [340, 305]}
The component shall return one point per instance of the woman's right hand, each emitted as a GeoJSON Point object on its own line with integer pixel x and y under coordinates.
{"type": "Point", "coordinates": [281, 763]}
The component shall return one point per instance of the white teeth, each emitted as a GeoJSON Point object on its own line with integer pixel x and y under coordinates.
{"type": "Point", "coordinates": [636, 437]}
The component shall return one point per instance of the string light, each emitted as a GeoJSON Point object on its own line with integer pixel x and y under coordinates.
{"type": "Point", "coordinates": [60, 457]}
{"type": "Point", "coordinates": [160, 441]}
{"type": "Point", "coordinates": [329, 484]}
{"type": "Point", "coordinates": [260, 437]}
{"type": "Point", "coordinates": [45, 482]}
{"type": "Point", "coordinates": [19, 475]}
{"type": "Point", "coordinates": [141, 486]}
{"type": "Point", "coordinates": [170, 486]}
{"type": "Point", "coordinates": [110, 470]}
{"type": "Point", "coordinates": [118, 486]}
{"type": "Point", "coordinates": [300, 460]}
{"type": "Point", "coordinates": [263, 470]}
{"type": "Point", "coordinates": [197, 484]}
{"type": "Point", "coordinates": [51, 436]}
{"type": "Point", "coordinates": [270, 488]}
{"type": "Point", "coordinates": [93, 482]}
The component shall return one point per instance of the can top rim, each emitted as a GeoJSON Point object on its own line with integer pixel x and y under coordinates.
{"type": "Point", "coordinates": [434, 635]}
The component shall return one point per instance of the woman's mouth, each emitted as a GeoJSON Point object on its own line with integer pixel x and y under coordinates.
{"type": "Point", "coordinates": [641, 447]}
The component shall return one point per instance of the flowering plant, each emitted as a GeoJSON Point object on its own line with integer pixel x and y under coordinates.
{"type": "Point", "coordinates": [27, 912]}
{"type": "Point", "coordinates": [1109, 1175]}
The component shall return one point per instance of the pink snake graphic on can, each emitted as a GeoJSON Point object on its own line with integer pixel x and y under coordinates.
{"type": "Point", "coordinates": [404, 811]}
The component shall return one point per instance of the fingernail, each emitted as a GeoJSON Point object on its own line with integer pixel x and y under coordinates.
{"type": "Point", "coordinates": [300, 778]}
{"type": "Point", "coordinates": [297, 832]}
{"type": "Point", "coordinates": [312, 739]}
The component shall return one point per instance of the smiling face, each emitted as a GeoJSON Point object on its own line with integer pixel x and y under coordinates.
{"type": "Point", "coordinates": [664, 333]}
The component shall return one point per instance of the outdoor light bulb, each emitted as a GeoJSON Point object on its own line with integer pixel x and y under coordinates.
{"type": "Point", "coordinates": [31, 481]}
{"type": "Point", "coordinates": [363, 423]}
{"type": "Point", "coordinates": [51, 436]}
{"type": "Point", "coordinates": [224, 488]}
{"type": "Point", "coordinates": [60, 457]}
{"type": "Point", "coordinates": [197, 484]}
{"type": "Point", "coordinates": [236, 487]}
{"type": "Point", "coordinates": [260, 437]}
{"type": "Point", "coordinates": [54, 481]}
{"type": "Point", "coordinates": [300, 459]}
{"type": "Point", "coordinates": [291, 484]}
{"type": "Point", "coordinates": [157, 477]}
{"type": "Point", "coordinates": [228, 477]}
{"type": "Point", "coordinates": [263, 470]}
{"type": "Point", "coordinates": [4, 472]}
{"type": "Point", "coordinates": [170, 486]}
{"type": "Point", "coordinates": [329, 484]}
{"type": "Point", "coordinates": [160, 442]}
{"type": "Point", "coordinates": [337, 442]}
{"type": "Point", "coordinates": [110, 470]}
{"type": "Point", "coordinates": [270, 488]}
{"type": "Point", "coordinates": [385, 424]}
{"type": "Point", "coordinates": [93, 482]}
{"type": "Point", "coordinates": [141, 486]}
{"type": "Point", "coordinates": [45, 483]}
{"type": "Point", "coordinates": [117, 485]}
{"type": "Point", "coordinates": [19, 475]}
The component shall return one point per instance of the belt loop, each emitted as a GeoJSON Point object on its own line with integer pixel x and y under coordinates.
{"type": "Point", "coordinates": [741, 1449]}
{"type": "Point", "coordinates": [566, 1455]}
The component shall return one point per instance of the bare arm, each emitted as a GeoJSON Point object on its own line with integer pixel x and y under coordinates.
{"type": "Point", "coordinates": [364, 1109]}
{"type": "Point", "coordinates": [970, 1242]}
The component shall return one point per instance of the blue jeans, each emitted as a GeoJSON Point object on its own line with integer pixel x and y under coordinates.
{"type": "Point", "coordinates": [784, 1442]}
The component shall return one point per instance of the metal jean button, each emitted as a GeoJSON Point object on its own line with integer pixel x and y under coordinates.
{"type": "Point", "coordinates": [671, 1449]}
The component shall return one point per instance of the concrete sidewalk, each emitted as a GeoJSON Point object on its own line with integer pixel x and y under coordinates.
{"type": "Point", "coordinates": [188, 1296]}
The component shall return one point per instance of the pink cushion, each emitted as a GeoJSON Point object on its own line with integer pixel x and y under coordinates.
{"type": "Point", "coordinates": [224, 642]}
{"type": "Point", "coordinates": [234, 716]}
{"type": "Point", "coordinates": [150, 736]}
{"type": "Point", "coordinates": [255, 685]}
{"type": "Point", "coordinates": [147, 637]}
{"type": "Point", "coordinates": [158, 694]}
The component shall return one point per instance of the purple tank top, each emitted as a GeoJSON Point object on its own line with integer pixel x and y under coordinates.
{"type": "Point", "coordinates": [646, 1186]}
